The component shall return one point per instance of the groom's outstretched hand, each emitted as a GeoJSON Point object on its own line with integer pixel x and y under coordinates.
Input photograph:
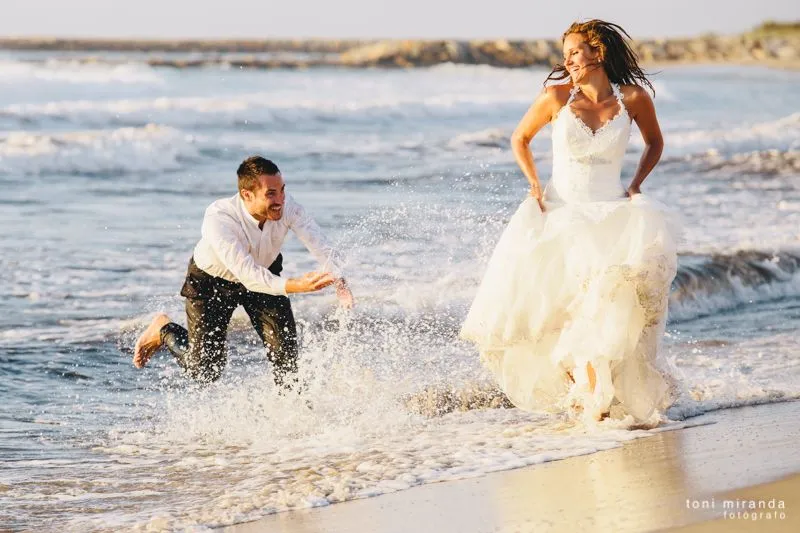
{"type": "Point", "coordinates": [309, 282]}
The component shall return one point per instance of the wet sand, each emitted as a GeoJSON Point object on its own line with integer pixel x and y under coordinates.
{"type": "Point", "coordinates": [676, 479]}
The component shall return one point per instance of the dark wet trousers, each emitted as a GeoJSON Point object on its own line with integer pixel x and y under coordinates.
{"type": "Point", "coordinates": [210, 301]}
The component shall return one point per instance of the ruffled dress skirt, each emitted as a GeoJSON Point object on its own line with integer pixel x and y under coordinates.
{"type": "Point", "coordinates": [579, 290]}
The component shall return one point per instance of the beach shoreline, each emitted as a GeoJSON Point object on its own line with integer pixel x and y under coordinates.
{"type": "Point", "coordinates": [674, 479]}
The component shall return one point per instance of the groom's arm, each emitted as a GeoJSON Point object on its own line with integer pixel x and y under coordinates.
{"type": "Point", "coordinates": [311, 235]}
{"type": "Point", "coordinates": [230, 246]}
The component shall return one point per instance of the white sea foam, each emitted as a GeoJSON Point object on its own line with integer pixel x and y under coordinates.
{"type": "Point", "coordinates": [253, 107]}
{"type": "Point", "coordinates": [348, 437]}
{"type": "Point", "coordinates": [151, 147]}
{"type": "Point", "coordinates": [780, 134]}
{"type": "Point", "coordinates": [488, 138]}
{"type": "Point", "coordinates": [752, 146]}
{"type": "Point", "coordinates": [274, 453]}
{"type": "Point", "coordinates": [74, 72]}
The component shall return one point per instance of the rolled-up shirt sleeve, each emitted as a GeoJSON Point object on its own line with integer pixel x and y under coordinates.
{"type": "Point", "coordinates": [230, 245]}
{"type": "Point", "coordinates": [311, 235]}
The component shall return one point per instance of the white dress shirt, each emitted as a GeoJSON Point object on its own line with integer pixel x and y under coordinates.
{"type": "Point", "coordinates": [233, 247]}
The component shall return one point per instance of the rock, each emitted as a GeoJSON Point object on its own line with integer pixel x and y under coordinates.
{"type": "Point", "coordinates": [698, 47]}
{"type": "Point", "coordinates": [502, 45]}
{"type": "Point", "coordinates": [787, 52]}
{"type": "Point", "coordinates": [555, 59]}
{"type": "Point", "coordinates": [425, 53]}
{"type": "Point", "coordinates": [538, 50]}
{"type": "Point", "coordinates": [457, 50]}
{"type": "Point", "coordinates": [401, 54]}
{"type": "Point", "coordinates": [503, 53]}
{"type": "Point", "coordinates": [675, 51]}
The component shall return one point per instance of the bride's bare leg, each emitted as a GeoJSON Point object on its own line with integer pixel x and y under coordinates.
{"type": "Point", "coordinates": [590, 372]}
{"type": "Point", "coordinates": [592, 376]}
{"type": "Point", "coordinates": [585, 378]}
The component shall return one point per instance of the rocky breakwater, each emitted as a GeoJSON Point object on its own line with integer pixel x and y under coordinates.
{"type": "Point", "coordinates": [769, 50]}
{"type": "Point", "coordinates": [243, 46]}
{"type": "Point", "coordinates": [498, 53]}
{"type": "Point", "coordinates": [773, 44]}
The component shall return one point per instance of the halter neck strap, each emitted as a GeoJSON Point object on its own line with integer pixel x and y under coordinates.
{"type": "Point", "coordinates": [617, 92]}
{"type": "Point", "coordinates": [614, 89]}
{"type": "Point", "coordinates": [572, 92]}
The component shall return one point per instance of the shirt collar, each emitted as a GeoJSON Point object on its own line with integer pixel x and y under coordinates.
{"type": "Point", "coordinates": [250, 219]}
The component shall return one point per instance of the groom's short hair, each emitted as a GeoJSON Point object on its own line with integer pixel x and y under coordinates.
{"type": "Point", "coordinates": [253, 167]}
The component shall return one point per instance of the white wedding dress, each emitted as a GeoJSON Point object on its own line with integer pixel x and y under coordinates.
{"type": "Point", "coordinates": [586, 282]}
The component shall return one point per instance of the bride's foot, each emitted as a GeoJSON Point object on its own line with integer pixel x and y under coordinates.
{"type": "Point", "coordinates": [149, 341]}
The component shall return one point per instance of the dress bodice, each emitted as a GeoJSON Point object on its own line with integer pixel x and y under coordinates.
{"type": "Point", "coordinates": [587, 164]}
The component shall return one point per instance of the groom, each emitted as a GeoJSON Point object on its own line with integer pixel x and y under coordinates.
{"type": "Point", "coordinates": [238, 262]}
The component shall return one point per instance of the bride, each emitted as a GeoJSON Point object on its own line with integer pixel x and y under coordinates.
{"type": "Point", "coordinates": [572, 307]}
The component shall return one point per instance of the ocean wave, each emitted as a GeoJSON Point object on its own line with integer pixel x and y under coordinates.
{"type": "Point", "coordinates": [488, 138]}
{"type": "Point", "coordinates": [709, 284]}
{"type": "Point", "coordinates": [705, 285]}
{"type": "Point", "coordinates": [251, 109]}
{"type": "Point", "coordinates": [770, 147]}
{"type": "Point", "coordinates": [765, 163]}
{"type": "Point", "coordinates": [122, 150]}
{"type": "Point", "coordinates": [759, 148]}
{"type": "Point", "coordinates": [77, 72]}
{"type": "Point", "coordinates": [158, 147]}
{"type": "Point", "coordinates": [766, 148]}
{"type": "Point", "coordinates": [782, 134]}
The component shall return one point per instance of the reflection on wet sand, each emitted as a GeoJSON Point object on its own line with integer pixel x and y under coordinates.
{"type": "Point", "coordinates": [665, 481]}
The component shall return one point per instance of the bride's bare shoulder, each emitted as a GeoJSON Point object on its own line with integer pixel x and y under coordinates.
{"type": "Point", "coordinates": [556, 97]}
{"type": "Point", "coordinates": [634, 93]}
{"type": "Point", "coordinates": [637, 100]}
{"type": "Point", "coordinates": [558, 93]}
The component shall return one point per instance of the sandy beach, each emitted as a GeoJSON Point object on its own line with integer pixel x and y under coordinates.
{"type": "Point", "coordinates": [702, 478]}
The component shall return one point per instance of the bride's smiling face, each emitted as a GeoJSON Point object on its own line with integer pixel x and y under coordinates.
{"type": "Point", "coordinates": [579, 57]}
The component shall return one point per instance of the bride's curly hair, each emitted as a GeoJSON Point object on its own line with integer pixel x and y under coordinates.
{"type": "Point", "coordinates": [615, 53]}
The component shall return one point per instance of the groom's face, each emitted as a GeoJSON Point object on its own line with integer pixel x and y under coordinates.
{"type": "Point", "coordinates": [266, 202]}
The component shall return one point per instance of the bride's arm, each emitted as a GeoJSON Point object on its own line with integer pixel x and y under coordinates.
{"type": "Point", "coordinates": [538, 115]}
{"type": "Point", "coordinates": [643, 112]}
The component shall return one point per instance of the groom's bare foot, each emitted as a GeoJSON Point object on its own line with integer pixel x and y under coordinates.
{"type": "Point", "coordinates": [150, 341]}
